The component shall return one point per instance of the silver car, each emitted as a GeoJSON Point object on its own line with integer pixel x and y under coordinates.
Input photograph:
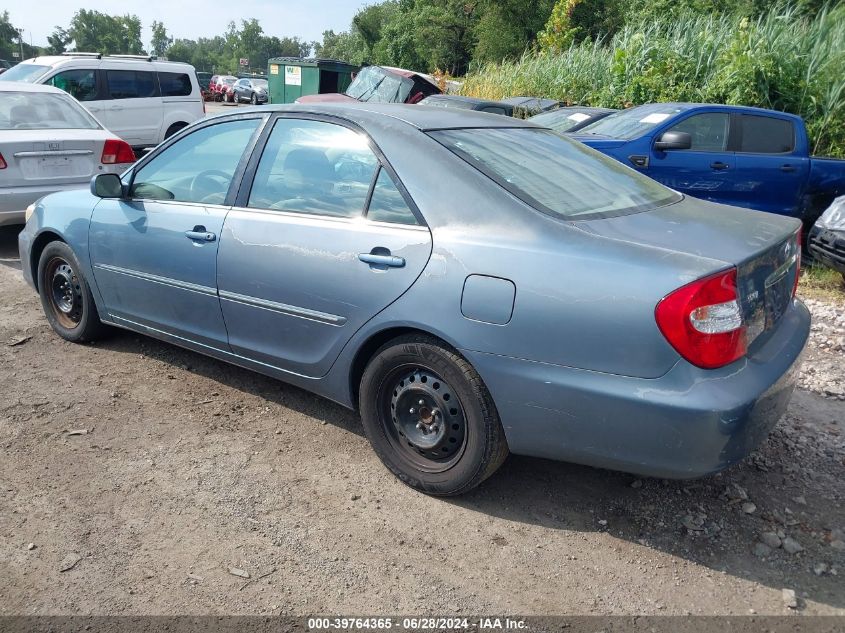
{"type": "Point", "coordinates": [473, 284]}
{"type": "Point", "coordinates": [49, 142]}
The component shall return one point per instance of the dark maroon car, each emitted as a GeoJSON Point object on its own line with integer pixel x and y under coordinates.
{"type": "Point", "coordinates": [382, 84]}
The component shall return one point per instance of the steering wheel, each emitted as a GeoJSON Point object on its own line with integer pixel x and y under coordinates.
{"type": "Point", "coordinates": [200, 183]}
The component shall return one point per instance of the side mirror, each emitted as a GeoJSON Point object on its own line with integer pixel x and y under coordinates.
{"type": "Point", "coordinates": [107, 186]}
{"type": "Point", "coordinates": [673, 140]}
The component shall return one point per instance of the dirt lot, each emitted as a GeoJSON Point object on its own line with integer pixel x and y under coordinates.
{"type": "Point", "coordinates": [190, 468]}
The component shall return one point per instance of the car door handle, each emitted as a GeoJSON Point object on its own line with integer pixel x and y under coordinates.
{"type": "Point", "coordinates": [116, 107]}
{"type": "Point", "coordinates": [199, 234]}
{"type": "Point", "coordinates": [719, 165]}
{"type": "Point", "coordinates": [787, 168]}
{"type": "Point", "coordinates": [374, 259]}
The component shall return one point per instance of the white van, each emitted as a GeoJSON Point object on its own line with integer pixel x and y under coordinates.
{"type": "Point", "coordinates": [140, 99]}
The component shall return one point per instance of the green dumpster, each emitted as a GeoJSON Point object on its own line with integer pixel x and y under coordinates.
{"type": "Point", "coordinates": [292, 77]}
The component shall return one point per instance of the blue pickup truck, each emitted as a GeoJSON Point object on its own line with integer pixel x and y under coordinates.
{"type": "Point", "coordinates": [747, 157]}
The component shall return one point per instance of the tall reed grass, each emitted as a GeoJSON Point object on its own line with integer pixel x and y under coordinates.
{"type": "Point", "coordinates": [780, 60]}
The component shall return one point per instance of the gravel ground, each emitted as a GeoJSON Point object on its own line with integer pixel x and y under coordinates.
{"type": "Point", "coordinates": [139, 478]}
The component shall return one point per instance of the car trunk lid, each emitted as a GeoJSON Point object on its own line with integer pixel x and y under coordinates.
{"type": "Point", "coordinates": [52, 156]}
{"type": "Point", "coordinates": [762, 247]}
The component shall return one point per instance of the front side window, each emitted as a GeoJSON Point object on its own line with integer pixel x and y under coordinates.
{"type": "Point", "coordinates": [43, 111]}
{"type": "Point", "coordinates": [709, 131]}
{"type": "Point", "coordinates": [555, 174]}
{"type": "Point", "coordinates": [314, 167]}
{"type": "Point", "coordinates": [131, 84]}
{"type": "Point", "coordinates": [198, 167]}
{"type": "Point", "coordinates": [766, 135]}
{"type": "Point", "coordinates": [80, 84]}
{"type": "Point", "coordinates": [175, 84]}
{"type": "Point", "coordinates": [387, 203]}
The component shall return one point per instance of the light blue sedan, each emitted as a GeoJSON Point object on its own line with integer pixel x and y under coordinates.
{"type": "Point", "coordinates": [474, 285]}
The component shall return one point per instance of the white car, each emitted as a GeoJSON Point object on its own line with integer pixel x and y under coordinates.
{"type": "Point", "coordinates": [140, 99]}
{"type": "Point", "coordinates": [49, 142]}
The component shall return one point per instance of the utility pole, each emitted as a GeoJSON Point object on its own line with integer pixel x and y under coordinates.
{"type": "Point", "coordinates": [20, 41]}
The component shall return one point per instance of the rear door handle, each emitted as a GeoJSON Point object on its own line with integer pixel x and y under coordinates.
{"type": "Point", "coordinates": [719, 165]}
{"type": "Point", "coordinates": [787, 168]}
{"type": "Point", "coordinates": [391, 261]}
{"type": "Point", "coordinates": [199, 234]}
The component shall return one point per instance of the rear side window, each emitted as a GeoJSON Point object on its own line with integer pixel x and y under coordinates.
{"type": "Point", "coordinates": [80, 84]}
{"type": "Point", "coordinates": [554, 174]}
{"type": "Point", "coordinates": [131, 84]}
{"type": "Point", "coordinates": [766, 135]}
{"type": "Point", "coordinates": [175, 84]}
{"type": "Point", "coordinates": [387, 204]}
{"type": "Point", "coordinates": [314, 167]}
{"type": "Point", "coordinates": [709, 131]}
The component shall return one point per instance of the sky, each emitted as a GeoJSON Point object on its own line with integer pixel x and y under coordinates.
{"type": "Point", "coordinates": [305, 18]}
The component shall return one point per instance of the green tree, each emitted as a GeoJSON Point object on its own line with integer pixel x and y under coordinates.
{"type": "Point", "coordinates": [161, 40]}
{"type": "Point", "coordinates": [98, 32]}
{"type": "Point", "coordinates": [58, 41]}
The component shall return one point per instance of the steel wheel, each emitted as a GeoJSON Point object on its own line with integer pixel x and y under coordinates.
{"type": "Point", "coordinates": [423, 418]}
{"type": "Point", "coordinates": [64, 292]}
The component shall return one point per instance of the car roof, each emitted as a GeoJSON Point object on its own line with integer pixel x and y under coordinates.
{"type": "Point", "coordinates": [683, 106]}
{"type": "Point", "coordinates": [58, 60]}
{"type": "Point", "coordinates": [425, 118]}
{"type": "Point", "coordinates": [25, 86]}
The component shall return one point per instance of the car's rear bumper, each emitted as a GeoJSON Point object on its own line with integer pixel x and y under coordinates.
{"type": "Point", "coordinates": [828, 247]}
{"type": "Point", "coordinates": [15, 200]}
{"type": "Point", "coordinates": [688, 423]}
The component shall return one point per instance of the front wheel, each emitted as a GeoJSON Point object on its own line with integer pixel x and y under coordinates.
{"type": "Point", "coordinates": [65, 295]}
{"type": "Point", "coordinates": [429, 417]}
{"type": "Point", "coordinates": [254, 99]}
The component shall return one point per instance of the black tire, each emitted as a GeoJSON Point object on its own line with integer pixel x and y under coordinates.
{"type": "Point", "coordinates": [173, 129]}
{"type": "Point", "coordinates": [65, 295]}
{"type": "Point", "coordinates": [456, 416]}
{"type": "Point", "coordinates": [254, 99]}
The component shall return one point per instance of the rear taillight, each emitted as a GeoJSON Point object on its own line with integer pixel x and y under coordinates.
{"type": "Point", "coordinates": [116, 151]}
{"type": "Point", "coordinates": [2, 162]}
{"type": "Point", "coordinates": [703, 321]}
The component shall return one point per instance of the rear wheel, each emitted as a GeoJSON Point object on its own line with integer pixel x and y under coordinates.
{"type": "Point", "coordinates": [65, 295]}
{"type": "Point", "coordinates": [254, 99]}
{"type": "Point", "coordinates": [429, 417]}
{"type": "Point", "coordinates": [173, 129]}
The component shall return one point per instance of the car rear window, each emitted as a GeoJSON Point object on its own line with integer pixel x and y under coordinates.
{"type": "Point", "coordinates": [555, 174]}
{"type": "Point", "coordinates": [175, 84]}
{"type": "Point", "coordinates": [766, 135]}
{"type": "Point", "coordinates": [43, 111]}
{"type": "Point", "coordinates": [131, 84]}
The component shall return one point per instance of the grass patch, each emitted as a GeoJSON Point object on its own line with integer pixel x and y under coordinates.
{"type": "Point", "coordinates": [818, 282]}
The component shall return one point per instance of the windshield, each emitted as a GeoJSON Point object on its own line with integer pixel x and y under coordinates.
{"type": "Point", "coordinates": [376, 84]}
{"type": "Point", "coordinates": [42, 111]}
{"type": "Point", "coordinates": [24, 72]}
{"type": "Point", "coordinates": [555, 174]}
{"type": "Point", "coordinates": [628, 124]}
